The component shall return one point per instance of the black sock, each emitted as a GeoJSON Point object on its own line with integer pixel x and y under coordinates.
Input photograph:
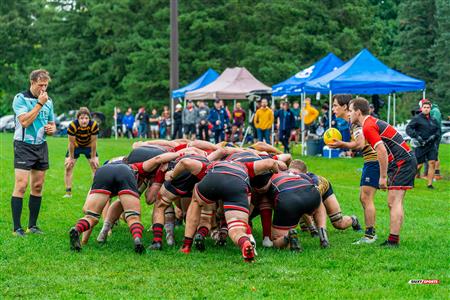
{"type": "Point", "coordinates": [370, 231]}
{"type": "Point", "coordinates": [35, 206]}
{"type": "Point", "coordinates": [69, 190]}
{"type": "Point", "coordinates": [16, 208]}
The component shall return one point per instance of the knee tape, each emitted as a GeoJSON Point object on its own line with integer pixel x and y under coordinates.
{"type": "Point", "coordinates": [334, 218]}
{"type": "Point", "coordinates": [91, 214]}
{"type": "Point", "coordinates": [130, 213]}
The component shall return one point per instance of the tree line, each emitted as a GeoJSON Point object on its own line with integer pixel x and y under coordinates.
{"type": "Point", "coordinates": [103, 53]}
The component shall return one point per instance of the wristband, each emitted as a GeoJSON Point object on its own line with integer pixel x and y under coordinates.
{"type": "Point", "coordinates": [39, 103]}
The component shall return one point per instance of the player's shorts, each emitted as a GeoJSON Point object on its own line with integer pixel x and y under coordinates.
{"type": "Point", "coordinates": [325, 188]}
{"type": "Point", "coordinates": [401, 174]}
{"type": "Point", "coordinates": [189, 129]}
{"type": "Point", "coordinates": [143, 153]}
{"type": "Point", "coordinates": [30, 157]}
{"type": "Point", "coordinates": [115, 179]}
{"type": "Point", "coordinates": [86, 151]}
{"type": "Point", "coordinates": [232, 190]}
{"type": "Point", "coordinates": [424, 154]}
{"type": "Point", "coordinates": [183, 185]}
{"type": "Point", "coordinates": [290, 205]}
{"type": "Point", "coordinates": [370, 174]}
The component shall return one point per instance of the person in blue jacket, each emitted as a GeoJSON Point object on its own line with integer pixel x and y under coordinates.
{"type": "Point", "coordinates": [286, 121]}
{"type": "Point", "coordinates": [219, 118]}
{"type": "Point", "coordinates": [128, 121]}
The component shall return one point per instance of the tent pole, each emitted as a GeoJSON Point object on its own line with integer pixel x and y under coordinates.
{"type": "Point", "coordinates": [115, 121]}
{"type": "Point", "coordinates": [302, 122]}
{"type": "Point", "coordinates": [329, 119]}
{"type": "Point", "coordinates": [423, 93]}
{"type": "Point", "coordinates": [271, 135]}
{"type": "Point", "coordinates": [393, 112]}
{"type": "Point", "coordinates": [172, 108]}
{"type": "Point", "coordinates": [389, 109]}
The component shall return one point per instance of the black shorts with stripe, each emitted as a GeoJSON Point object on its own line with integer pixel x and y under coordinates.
{"type": "Point", "coordinates": [86, 151]}
{"type": "Point", "coordinates": [115, 179]}
{"type": "Point", "coordinates": [291, 204]}
{"type": "Point", "coordinates": [401, 174]}
{"type": "Point", "coordinates": [232, 190]}
{"type": "Point", "coordinates": [30, 157]}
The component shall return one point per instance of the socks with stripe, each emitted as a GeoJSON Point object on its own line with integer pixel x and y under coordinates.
{"type": "Point", "coordinates": [34, 204]}
{"type": "Point", "coordinates": [242, 240]}
{"type": "Point", "coordinates": [157, 232]}
{"type": "Point", "coordinates": [82, 225]}
{"type": "Point", "coordinates": [370, 231]}
{"type": "Point", "coordinates": [394, 238]}
{"type": "Point", "coordinates": [266, 221]}
{"type": "Point", "coordinates": [136, 230]}
{"type": "Point", "coordinates": [187, 242]}
{"type": "Point", "coordinates": [203, 231]}
{"type": "Point", "coordinates": [16, 208]}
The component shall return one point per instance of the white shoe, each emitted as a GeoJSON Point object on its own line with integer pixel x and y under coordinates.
{"type": "Point", "coordinates": [267, 243]}
{"type": "Point", "coordinates": [253, 241]}
{"type": "Point", "coordinates": [67, 196]}
{"type": "Point", "coordinates": [366, 240]}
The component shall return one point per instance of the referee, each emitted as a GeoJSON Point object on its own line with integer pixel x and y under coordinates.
{"type": "Point", "coordinates": [34, 119]}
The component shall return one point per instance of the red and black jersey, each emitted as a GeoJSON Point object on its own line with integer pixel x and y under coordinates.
{"type": "Point", "coordinates": [285, 181]}
{"type": "Point", "coordinates": [257, 181]}
{"type": "Point", "coordinates": [185, 182]}
{"type": "Point", "coordinates": [243, 171]}
{"type": "Point", "coordinates": [144, 153]}
{"type": "Point", "coordinates": [378, 131]}
{"type": "Point", "coordinates": [243, 157]}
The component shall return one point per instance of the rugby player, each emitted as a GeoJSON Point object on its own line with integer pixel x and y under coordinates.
{"type": "Point", "coordinates": [82, 134]}
{"type": "Point", "coordinates": [397, 163]}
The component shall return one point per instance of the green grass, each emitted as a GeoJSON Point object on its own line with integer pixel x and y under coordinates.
{"type": "Point", "coordinates": [43, 266]}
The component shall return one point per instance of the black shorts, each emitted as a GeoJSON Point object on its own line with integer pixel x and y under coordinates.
{"type": "Point", "coordinates": [115, 179]}
{"type": "Point", "coordinates": [232, 190]}
{"type": "Point", "coordinates": [183, 185]}
{"type": "Point", "coordinates": [424, 154]}
{"type": "Point", "coordinates": [290, 205]}
{"type": "Point", "coordinates": [86, 151]}
{"type": "Point", "coordinates": [189, 129]}
{"type": "Point", "coordinates": [143, 153]}
{"type": "Point", "coordinates": [30, 157]}
{"type": "Point", "coordinates": [401, 174]}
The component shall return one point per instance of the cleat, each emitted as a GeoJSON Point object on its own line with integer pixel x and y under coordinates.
{"type": "Point", "coordinates": [313, 231]}
{"type": "Point", "coordinates": [248, 252]}
{"type": "Point", "coordinates": [155, 246]}
{"type": "Point", "coordinates": [67, 196]}
{"type": "Point", "coordinates": [324, 242]}
{"type": "Point", "coordinates": [185, 250]}
{"type": "Point", "coordinates": [430, 187]}
{"type": "Point", "coordinates": [294, 241]}
{"type": "Point", "coordinates": [222, 238]}
{"type": "Point", "coordinates": [35, 230]}
{"type": "Point", "coordinates": [75, 243]}
{"type": "Point", "coordinates": [366, 239]}
{"type": "Point", "coordinates": [102, 236]}
{"type": "Point", "coordinates": [387, 244]}
{"type": "Point", "coordinates": [170, 239]}
{"type": "Point", "coordinates": [355, 224]}
{"type": "Point", "coordinates": [199, 242]}
{"type": "Point", "coordinates": [267, 243]}
{"type": "Point", "coordinates": [19, 232]}
{"type": "Point", "coordinates": [138, 246]}
{"type": "Point", "coordinates": [253, 241]}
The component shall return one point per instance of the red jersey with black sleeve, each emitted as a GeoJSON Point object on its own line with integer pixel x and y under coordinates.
{"type": "Point", "coordinates": [378, 131]}
{"type": "Point", "coordinates": [243, 157]}
{"type": "Point", "coordinates": [184, 183]}
{"type": "Point", "coordinates": [286, 180]}
{"type": "Point", "coordinates": [244, 171]}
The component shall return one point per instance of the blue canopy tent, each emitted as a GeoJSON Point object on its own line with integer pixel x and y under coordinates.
{"type": "Point", "coordinates": [294, 85]}
{"type": "Point", "coordinates": [364, 74]}
{"type": "Point", "coordinates": [207, 77]}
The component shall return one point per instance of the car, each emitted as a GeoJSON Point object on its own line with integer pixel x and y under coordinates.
{"type": "Point", "coordinates": [7, 123]}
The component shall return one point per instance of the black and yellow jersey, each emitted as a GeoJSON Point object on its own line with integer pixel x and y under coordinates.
{"type": "Point", "coordinates": [82, 134]}
{"type": "Point", "coordinates": [368, 153]}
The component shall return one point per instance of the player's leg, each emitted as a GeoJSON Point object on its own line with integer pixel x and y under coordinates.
{"type": "Point", "coordinates": [37, 178]}
{"type": "Point", "coordinates": [169, 225]}
{"type": "Point", "coordinates": [320, 218]}
{"type": "Point", "coordinates": [395, 203]}
{"type": "Point", "coordinates": [367, 196]}
{"type": "Point", "coordinates": [20, 186]}
{"type": "Point", "coordinates": [68, 178]}
{"type": "Point", "coordinates": [338, 220]}
{"type": "Point", "coordinates": [163, 201]}
{"type": "Point", "coordinates": [193, 215]}
{"type": "Point", "coordinates": [132, 212]}
{"type": "Point", "coordinates": [239, 232]}
{"type": "Point", "coordinates": [113, 214]}
{"type": "Point", "coordinates": [204, 226]}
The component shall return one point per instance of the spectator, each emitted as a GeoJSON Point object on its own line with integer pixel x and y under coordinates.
{"type": "Point", "coordinates": [372, 111]}
{"type": "Point", "coordinates": [219, 119]}
{"type": "Point", "coordinates": [118, 116]}
{"type": "Point", "coordinates": [189, 120]}
{"type": "Point", "coordinates": [310, 115]}
{"type": "Point", "coordinates": [202, 120]}
{"type": "Point", "coordinates": [238, 121]}
{"type": "Point", "coordinates": [263, 121]}
{"type": "Point", "coordinates": [128, 122]}
{"type": "Point", "coordinates": [425, 129]}
{"type": "Point", "coordinates": [324, 122]}
{"type": "Point", "coordinates": [286, 122]}
{"type": "Point", "coordinates": [142, 118]}
{"type": "Point", "coordinates": [165, 123]}
{"type": "Point", "coordinates": [296, 110]}
{"type": "Point", "coordinates": [154, 120]}
{"type": "Point", "coordinates": [177, 122]}
{"type": "Point", "coordinates": [436, 113]}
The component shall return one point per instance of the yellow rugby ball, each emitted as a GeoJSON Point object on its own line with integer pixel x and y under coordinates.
{"type": "Point", "coordinates": [330, 135]}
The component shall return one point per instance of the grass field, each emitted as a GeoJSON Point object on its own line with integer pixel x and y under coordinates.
{"type": "Point", "coordinates": [43, 266]}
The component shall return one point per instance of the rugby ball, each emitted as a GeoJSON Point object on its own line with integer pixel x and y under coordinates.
{"type": "Point", "coordinates": [330, 135]}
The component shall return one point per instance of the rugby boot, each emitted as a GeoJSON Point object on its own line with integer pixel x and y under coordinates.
{"type": "Point", "coordinates": [19, 232]}
{"type": "Point", "coordinates": [294, 242]}
{"type": "Point", "coordinates": [388, 244]}
{"type": "Point", "coordinates": [313, 231]}
{"type": "Point", "coordinates": [248, 252]}
{"type": "Point", "coordinates": [185, 249]}
{"type": "Point", "coordinates": [138, 246]}
{"type": "Point", "coordinates": [102, 236]}
{"type": "Point", "coordinates": [74, 236]}
{"type": "Point", "coordinates": [355, 224]}
{"type": "Point", "coordinates": [366, 239]}
{"type": "Point", "coordinates": [324, 242]}
{"type": "Point", "coordinates": [155, 246]}
{"type": "Point", "coordinates": [199, 242]}
{"type": "Point", "coordinates": [222, 238]}
{"type": "Point", "coordinates": [267, 243]}
{"type": "Point", "coordinates": [34, 230]}
{"type": "Point", "coordinates": [253, 241]}
{"type": "Point", "coordinates": [170, 239]}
